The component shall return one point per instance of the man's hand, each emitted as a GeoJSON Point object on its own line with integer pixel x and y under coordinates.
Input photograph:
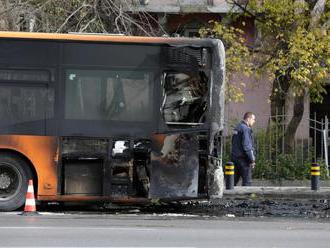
{"type": "Point", "coordinates": [253, 165]}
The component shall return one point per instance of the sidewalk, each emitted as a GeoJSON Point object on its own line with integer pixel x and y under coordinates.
{"type": "Point", "coordinates": [277, 192]}
{"type": "Point", "coordinates": [288, 183]}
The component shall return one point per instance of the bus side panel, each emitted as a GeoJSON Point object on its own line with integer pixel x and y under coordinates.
{"type": "Point", "coordinates": [42, 151]}
{"type": "Point", "coordinates": [174, 166]}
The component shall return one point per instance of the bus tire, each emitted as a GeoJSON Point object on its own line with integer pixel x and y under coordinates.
{"type": "Point", "coordinates": [14, 177]}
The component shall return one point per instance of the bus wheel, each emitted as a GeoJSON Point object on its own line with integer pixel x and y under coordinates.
{"type": "Point", "coordinates": [14, 176]}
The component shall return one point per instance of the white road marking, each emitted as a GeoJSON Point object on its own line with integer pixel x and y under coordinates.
{"type": "Point", "coordinates": [77, 228]}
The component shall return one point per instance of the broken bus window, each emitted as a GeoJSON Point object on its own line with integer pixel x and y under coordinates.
{"type": "Point", "coordinates": [185, 98]}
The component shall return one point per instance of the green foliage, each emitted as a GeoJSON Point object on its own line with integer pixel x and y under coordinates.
{"type": "Point", "coordinates": [292, 46]}
{"type": "Point", "coordinates": [295, 42]}
{"type": "Point", "coordinates": [237, 55]}
{"type": "Point", "coordinates": [292, 41]}
{"type": "Point", "coordinates": [272, 164]}
{"type": "Point", "coordinates": [285, 167]}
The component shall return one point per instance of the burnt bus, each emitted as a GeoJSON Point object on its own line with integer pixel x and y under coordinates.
{"type": "Point", "coordinates": [110, 118]}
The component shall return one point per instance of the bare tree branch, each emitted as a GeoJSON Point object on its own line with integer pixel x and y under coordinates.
{"type": "Point", "coordinates": [80, 15]}
{"type": "Point", "coordinates": [71, 15]}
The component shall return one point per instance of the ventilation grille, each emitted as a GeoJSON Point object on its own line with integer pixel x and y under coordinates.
{"type": "Point", "coordinates": [183, 56]}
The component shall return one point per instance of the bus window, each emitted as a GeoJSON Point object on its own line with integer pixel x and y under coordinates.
{"type": "Point", "coordinates": [107, 95]}
{"type": "Point", "coordinates": [21, 104]}
{"type": "Point", "coordinates": [185, 98]}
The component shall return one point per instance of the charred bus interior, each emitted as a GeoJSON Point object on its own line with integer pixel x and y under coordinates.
{"type": "Point", "coordinates": [107, 167]}
{"type": "Point", "coordinates": [120, 168]}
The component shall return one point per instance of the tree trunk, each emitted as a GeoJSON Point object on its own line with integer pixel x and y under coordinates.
{"type": "Point", "coordinates": [279, 92]}
{"type": "Point", "coordinates": [298, 107]}
{"type": "Point", "coordinates": [290, 132]}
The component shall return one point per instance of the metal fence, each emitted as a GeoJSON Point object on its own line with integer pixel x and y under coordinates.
{"type": "Point", "coordinates": [275, 162]}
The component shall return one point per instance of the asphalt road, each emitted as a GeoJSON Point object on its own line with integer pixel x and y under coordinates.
{"type": "Point", "coordinates": [162, 230]}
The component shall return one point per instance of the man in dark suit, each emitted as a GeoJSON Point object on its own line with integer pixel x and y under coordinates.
{"type": "Point", "coordinates": [243, 152]}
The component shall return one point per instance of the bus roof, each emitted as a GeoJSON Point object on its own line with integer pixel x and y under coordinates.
{"type": "Point", "coordinates": [106, 38]}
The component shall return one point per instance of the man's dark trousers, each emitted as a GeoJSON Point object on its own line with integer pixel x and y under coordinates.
{"type": "Point", "coordinates": [242, 169]}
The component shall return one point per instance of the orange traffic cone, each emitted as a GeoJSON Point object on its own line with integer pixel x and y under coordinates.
{"type": "Point", "coordinates": [30, 203]}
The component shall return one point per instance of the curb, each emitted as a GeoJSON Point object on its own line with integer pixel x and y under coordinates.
{"type": "Point", "coordinates": [277, 192]}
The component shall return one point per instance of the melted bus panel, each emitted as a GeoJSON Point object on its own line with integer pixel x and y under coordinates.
{"type": "Point", "coordinates": [175, 167]}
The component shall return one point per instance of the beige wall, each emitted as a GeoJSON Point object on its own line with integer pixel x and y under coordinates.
{"type": "Point", "coordinates": [183, 6]}
{"type": "Point", "coordinates": [256, 99]}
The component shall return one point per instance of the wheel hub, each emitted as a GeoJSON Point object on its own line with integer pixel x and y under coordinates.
{"type": "Point", "coordinates": [5, 181]}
